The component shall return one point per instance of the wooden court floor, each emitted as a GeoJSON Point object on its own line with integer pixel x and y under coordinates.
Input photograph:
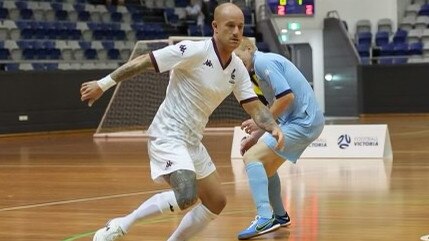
{"type": "Point", "coordinates": [64, 186]}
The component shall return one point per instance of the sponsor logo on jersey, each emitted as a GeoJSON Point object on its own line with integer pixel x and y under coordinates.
{"type": "Point", "coordinates": [208, 63]}
{"type": "Point", "coordinates": [182, 48]}
{"type": "Point", "coordinates": [232, 80]}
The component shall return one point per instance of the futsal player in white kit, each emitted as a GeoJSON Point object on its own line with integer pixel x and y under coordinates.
{"type": "Point", "coordinates": [202, 75]}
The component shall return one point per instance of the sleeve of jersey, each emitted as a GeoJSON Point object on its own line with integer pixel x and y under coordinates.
{"type": "Point", "coordinates": [243, 90]}
{"type": "Point", "coordinates": [175, 56]}
{"type": "Point", "coordinates": [271, 72]}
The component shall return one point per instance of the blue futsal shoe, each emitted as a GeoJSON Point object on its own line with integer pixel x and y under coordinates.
{"type": "Point", "coordinates": [258, 227]}
{"type": "Point", "coordinates": [284, 220]}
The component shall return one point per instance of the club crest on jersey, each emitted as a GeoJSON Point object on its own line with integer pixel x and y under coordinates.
{"type": "Point", "coordinates": [182, 48]}
{"type": "Point", "coordinates": [232, 80]}
{"type": "Point", "coordinates": [208, 63]}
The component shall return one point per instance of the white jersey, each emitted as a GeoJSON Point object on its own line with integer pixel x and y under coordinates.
{"type": "Point", "coordinates": [198, 84]}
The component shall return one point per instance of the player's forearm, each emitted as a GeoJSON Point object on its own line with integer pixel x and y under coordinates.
{"type": "Point", "coordinates": [126, 71]}
{"type": "Point", "coordinates": [132, 68]}
{"type": "Point", "coordinates": [263, 118]}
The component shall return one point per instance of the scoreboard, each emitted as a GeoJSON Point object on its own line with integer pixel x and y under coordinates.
{"type": "Point", "coordinates": [292, 7]}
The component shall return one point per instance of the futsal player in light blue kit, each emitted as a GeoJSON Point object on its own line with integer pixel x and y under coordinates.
{"type": "Point", "coordinates": [292, 101]}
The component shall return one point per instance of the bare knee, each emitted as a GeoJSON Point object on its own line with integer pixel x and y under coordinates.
{"type": "Point", "coordinates": [184, 185]}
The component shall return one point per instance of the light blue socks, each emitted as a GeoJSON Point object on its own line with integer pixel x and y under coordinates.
{"type": "Point", "coordinates": [258, 182]}
{"type": "Point", "coordinates": [274, 190]}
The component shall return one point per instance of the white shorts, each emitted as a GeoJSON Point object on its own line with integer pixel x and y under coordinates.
{"type": "Point", "coordinates": [169, 155]}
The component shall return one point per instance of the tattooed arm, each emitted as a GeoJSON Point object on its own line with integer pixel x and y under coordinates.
{"type": "Point", "coordinates": [132, 68]}
{"type": "Point", "coordinates": [92, 90]}
{"type": "Point", "coordinates": [263, 118]}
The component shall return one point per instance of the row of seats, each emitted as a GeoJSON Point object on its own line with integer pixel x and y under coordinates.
{"type": "Point", "coordinates": [65, 50]}
{"type": "Point", "coordinates": [80, 30]}
{"type": "Point", "coordinates": [56, 66]}
{"type": "Point", "coordinates": [408, 44]}
{"type": "Point", "coordinates": [400, 36]}
{"type": "Point", "coordinates": [72, 42]}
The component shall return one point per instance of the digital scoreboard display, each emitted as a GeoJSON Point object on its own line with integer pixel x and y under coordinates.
{"type": "Point", "coordinates": [292, 7]}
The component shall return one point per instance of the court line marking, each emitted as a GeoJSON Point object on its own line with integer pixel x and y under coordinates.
{"type": "Point", "coordinates": [94, 198]}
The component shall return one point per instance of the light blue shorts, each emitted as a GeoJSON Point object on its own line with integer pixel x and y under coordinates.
{"type": "Point", "coordinates": [297, 138]}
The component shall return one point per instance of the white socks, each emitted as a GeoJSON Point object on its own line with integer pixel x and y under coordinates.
{"type": "Point", "coordinates": [157, 204]}
{"type": "Point", "coordinates": [192, 223]}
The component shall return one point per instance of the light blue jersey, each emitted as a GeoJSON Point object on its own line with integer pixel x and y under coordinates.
{"type": "Point", "coordinates": [303, 121]}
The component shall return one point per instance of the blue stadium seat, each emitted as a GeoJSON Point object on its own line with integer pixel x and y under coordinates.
{"type": "Point", "coordinates": [381, 38]}
{"type": "Point", "coordinates": [262, 46]}
{"type": "Point", "coordinates": [53, 53]}
{"type": "Point", "coordinates": [113, 54]}
{"type": "Point", "coordinates": [194, 30]}
{"type": "Point", "coordinates": [85, 44]}
{"type": "Point", "coordinates": [4, 13]}
{"type": "Point", "coordinates": [49, 44]}
{"type": "Point", "coordinates": [90, 54]}
{"type": "Point", "coordinates": [51, 66]}
{"type": "Point", "coordinates": [364, 38]}
{"type": "Point", "coordinates": [29, 53]}
{"type": "Point", "coordinates": [364, 52]}
{"type": "Point", "coordinates": [38, 66]}
{"type": "Point", "coordinates": [83, 16]}
{"type": "Point", "coordinates": [26, 14]}
{"type": "Point", "coordinates": [248, 31]}
{"type": "Point", "coordinates": [400, 36]}
{"type": "Point", "coordinates": [180, 3]}
{"type": "Point", "coordinates": [4, 53]}
{"type": "Point", "coordinates": [170, 16]}
{"type": "Point", "coordinates": [207, 30]}
{"type": "Point", "coordinates": [116, 17]}
{"type": "Point", "coordinates": [61, 15]}
{"type": "Point", "coordinates": [24, 44]}
{"type": "Point", "coordinates": [108, 44]}
{"type": "Point", "coordinates": [21, 24]}
{"type": "Point", "coordinates": [12, 67]}
{"type": "Point", "coordinates": [416, 48]}
{"type": "Point", "coordinates": [386, 53]}
{"type": "Point", "coordinates": [401, 51]}
{"type": "Point", "coordinates": [57, 6]}
{"type": "Point", "coordinates": [99, 34]}
{"type": "Point", "coordinates": [27, 33]}
{"type": "Point", "coordinates": [424, 10]}
{"type": "Point", "coordinates": [247, 16]}
{"type": "Point", "coordinates": [21, 5]}
{"type": "Point", "coordinates": [79, 7]}
{"type": "Point", "coordinates": [137, 17]}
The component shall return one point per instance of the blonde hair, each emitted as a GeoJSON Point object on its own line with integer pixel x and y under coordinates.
{"type": "Point", "coordinates": [246, 43]}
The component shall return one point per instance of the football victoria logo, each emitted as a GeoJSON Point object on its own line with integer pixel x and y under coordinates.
{"type": "Point", "coordinates": [344, 141]}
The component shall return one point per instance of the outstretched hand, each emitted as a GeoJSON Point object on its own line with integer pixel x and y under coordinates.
{"type": "Point", "coordinates": [90, 91]}
{"type": "Point", "coordinates": [250, 127]}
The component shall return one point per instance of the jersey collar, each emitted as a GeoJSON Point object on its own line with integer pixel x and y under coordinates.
{"type": "Point", "coordinates": [218, 56]}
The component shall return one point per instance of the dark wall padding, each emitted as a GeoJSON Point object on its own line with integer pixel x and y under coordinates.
{"type": "Point", "coordinates": [51, 100]}
{"type": "Point", "coordinates": [394, 88]}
